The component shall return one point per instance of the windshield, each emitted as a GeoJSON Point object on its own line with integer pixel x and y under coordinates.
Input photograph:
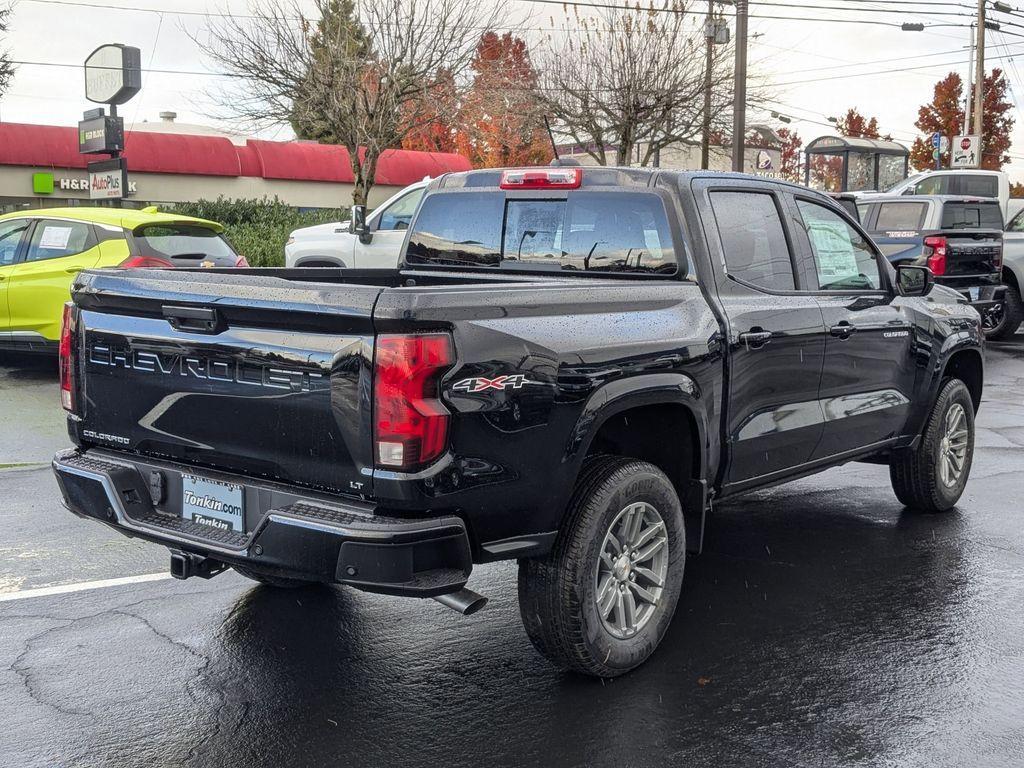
{"type": "Point", "coordinates": [909, 181]}
{"type": "Point", "coordinates": [580, 231]}
{"type": "Point", "coordinates": [183, 240]}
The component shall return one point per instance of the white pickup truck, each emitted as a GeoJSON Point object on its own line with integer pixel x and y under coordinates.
{"type": "Point", "coordinates": [964, 182]}
{"type": "Point", "coordinates": [335, 245]}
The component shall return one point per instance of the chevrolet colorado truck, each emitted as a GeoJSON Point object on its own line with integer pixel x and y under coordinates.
{"type": "Point", "coordinates": [567, 368]}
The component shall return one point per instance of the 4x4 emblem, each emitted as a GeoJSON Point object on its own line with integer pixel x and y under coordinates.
{"type": "Point", "coordinates": [479, 383]}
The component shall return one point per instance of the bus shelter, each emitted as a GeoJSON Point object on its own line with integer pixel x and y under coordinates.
{"type": "Point", "coordinates": [844, 164]}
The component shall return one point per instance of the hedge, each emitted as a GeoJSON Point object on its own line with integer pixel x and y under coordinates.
{"type": "Point", "coordinates": [258, 229]}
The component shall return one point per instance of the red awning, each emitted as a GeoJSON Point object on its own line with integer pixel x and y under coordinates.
{"type": "Point", "coordinates": [50, 146]}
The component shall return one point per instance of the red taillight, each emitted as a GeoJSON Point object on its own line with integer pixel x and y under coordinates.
{"type": "Point", "coordinates": [410, 423]}
{"type": "Point", "coordinates": [67, 376]}
{"type": "Point", "coordinates": [935, 253]}
{"type": "Point", "coordinates": [241, 261]}
{"type": "Point", "coordinates": [145, 262]}
{"type": "Point", "coordinates": [548, 178]}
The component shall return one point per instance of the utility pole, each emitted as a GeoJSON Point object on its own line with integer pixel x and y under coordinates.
{"type": "Point", "coordinates": [739, 107]}
{"type": "Point", "coordinates": [979, 65]}
{"type": "Point", "coordinates": [709, 41]}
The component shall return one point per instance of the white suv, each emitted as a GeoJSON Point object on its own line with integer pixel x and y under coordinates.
{"type": "Point", "coordinates": [333, 245]}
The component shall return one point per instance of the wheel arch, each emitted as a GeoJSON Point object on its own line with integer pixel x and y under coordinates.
{"type": "Point", "coordinates": [967, 365]}
{"type": "Point", "coordinates": [319, 261]}
{"type": "Point", "coordinates": [651, 421]}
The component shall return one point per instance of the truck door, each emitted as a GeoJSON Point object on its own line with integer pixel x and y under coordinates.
{"type": "Point", "coordinates": [868, 374]}
{"type": "Point", "coordinates": [389, 228]}
{"type": "Point", "coordinates": [776, 334]}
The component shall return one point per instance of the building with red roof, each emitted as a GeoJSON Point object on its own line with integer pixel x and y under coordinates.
{"type": "Point", "coordinates": [40, 166]}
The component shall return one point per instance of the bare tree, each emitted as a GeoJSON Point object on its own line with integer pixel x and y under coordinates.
{"type": "Point", "coordinates": [632, 79]}
{"type": "Point", "coordinates": [6, 67]}
{"type": "Point", "coordinates": [364, 76]}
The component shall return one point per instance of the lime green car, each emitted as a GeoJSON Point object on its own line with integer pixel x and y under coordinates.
{"type": "Point", "coordinates": [41, 251]}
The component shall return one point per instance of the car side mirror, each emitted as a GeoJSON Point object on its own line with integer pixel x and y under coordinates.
{"type": "Point", "coordinates": [912, 280]}
{"type": "Point", "coordinates": [357, 224]}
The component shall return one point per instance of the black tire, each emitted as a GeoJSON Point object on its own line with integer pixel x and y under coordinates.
{"type": "Point", "coordinates": [1002, 323]}
{"type": "Point", "coordinates": [270, 580]}
{"type": "Point", "coordinates": [916, 475]}
{"type": "Point", "coordinates": [557, 593]}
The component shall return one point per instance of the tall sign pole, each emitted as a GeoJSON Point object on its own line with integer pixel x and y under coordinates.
{"type": "Point", "coordinates": [113, 75]}
{"type": "Point", "coordinates": [979, 85]}
{"type": "Point", "coordinates": [739, 108]}
{"type": "Point", "coordinates": [968, 96]}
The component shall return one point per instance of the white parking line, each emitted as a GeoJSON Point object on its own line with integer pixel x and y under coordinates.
{"type": "Point", "coordinates": [63, 589]}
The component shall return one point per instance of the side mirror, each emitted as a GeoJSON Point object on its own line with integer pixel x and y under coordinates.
{"type": "Point", "coordinates": [912, 280]}
{"type": "Point", "coordinates": [357, 224]}
{"type": "Point", "coordinates": [909, 191]}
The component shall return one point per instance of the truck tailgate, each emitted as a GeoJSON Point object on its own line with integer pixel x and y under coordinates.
{"type": "Point", "coordinates": [268, 377]}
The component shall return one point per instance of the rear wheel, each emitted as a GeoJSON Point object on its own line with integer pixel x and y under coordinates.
{"type": "Point", "coordinates": [601, 601]}
{"type": "Point", "coordinates": [1001, 321]}
{"type": "Point", "coordinates": [932, 478]}
{"type": "Point", "coordinates": [270, 580]}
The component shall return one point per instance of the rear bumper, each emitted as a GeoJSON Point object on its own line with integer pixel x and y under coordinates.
{"type": "Point", "coordinates": [294, 534]}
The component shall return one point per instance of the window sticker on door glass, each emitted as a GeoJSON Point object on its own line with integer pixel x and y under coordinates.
{"type": "Point", "coordinates": [836, 257]}
{"type": "Point", "coordinates": [55, 238]}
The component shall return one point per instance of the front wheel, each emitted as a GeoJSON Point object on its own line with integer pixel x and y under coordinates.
{"type": "Point", "coordinates": [932, 478]}
{"type": "Point", "coordinates": [601, 601]}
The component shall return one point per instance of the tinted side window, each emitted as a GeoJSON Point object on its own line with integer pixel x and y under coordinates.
{"type": "Point", "coordinates": [844, 260]}
{"type": "Point", "coordinates": [900, 216]}
{"type": "Point", "coordinates": [399, 214]}
{"type": "Point", "coordinates": [54, 239]}
{"type": "Point", "coordinates": [978, 186]}
{"type": "Point", "coordinates": [11, 233]}
{"type": "Point", "coordinates": [753, 240]}
{"type": "Point", "coordinates": [1016, 223]}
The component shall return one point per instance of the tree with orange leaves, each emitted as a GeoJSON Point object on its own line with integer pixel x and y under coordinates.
{"type": "Point", "coordinates": [501, 122]}
{"type": "Point", "coordinates": [854, 125]}
{"type": "Point", "coordinates": [944, 114]}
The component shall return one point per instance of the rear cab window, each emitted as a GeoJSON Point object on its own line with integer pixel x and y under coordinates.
{"type": "Point", "coordinates": [577, 231]}
{"type": "Point", "coordinates": [183, 244]}
{"type": "Point", "coordinates": [971, 215]}
{"type": "Point", "coordinates": [901, 216]}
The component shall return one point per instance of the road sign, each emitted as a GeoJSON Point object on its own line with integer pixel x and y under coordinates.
{"type": "Point", "coordinates": [936, 154]}
{"type": "Point", "coordinates": [966, 152]}
{"type": "Point", "coordinates": [937, 140]}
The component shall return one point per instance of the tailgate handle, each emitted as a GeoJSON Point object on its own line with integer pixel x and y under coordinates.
{"type": "Point", "coordinates": [193, 319]}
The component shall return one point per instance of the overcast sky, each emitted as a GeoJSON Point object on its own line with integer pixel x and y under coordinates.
{"type": "Point", "coordinates": [819, 68]}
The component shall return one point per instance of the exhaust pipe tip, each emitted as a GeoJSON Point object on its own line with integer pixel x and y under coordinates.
{"type": "Point", "coordinates": [465, 601]}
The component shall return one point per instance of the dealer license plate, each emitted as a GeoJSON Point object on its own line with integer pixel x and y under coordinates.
{"type": "Point", "coordinates": [974, 293]}
{"type": "Point", "coordinates": [219, 505]}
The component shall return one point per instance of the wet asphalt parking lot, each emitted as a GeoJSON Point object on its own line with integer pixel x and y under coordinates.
{"type": "Point", "coordinates": [822, 626]}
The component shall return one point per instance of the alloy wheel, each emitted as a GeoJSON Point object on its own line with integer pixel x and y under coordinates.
{"type": "Point", "coordinates": [953, 446]}
{"type": "Point", "coordinates": [631, 570]}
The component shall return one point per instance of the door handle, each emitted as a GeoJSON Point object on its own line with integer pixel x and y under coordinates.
{"type": "Point", "coordinates": [843, 331]}
{"type": "Point", "coordinates": [74, 270]}
{"type": "Point", "coordinates": [755, 338]}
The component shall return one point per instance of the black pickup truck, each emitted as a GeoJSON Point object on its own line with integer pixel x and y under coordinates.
{"type": "Point", "coordinates": [568, 367]}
